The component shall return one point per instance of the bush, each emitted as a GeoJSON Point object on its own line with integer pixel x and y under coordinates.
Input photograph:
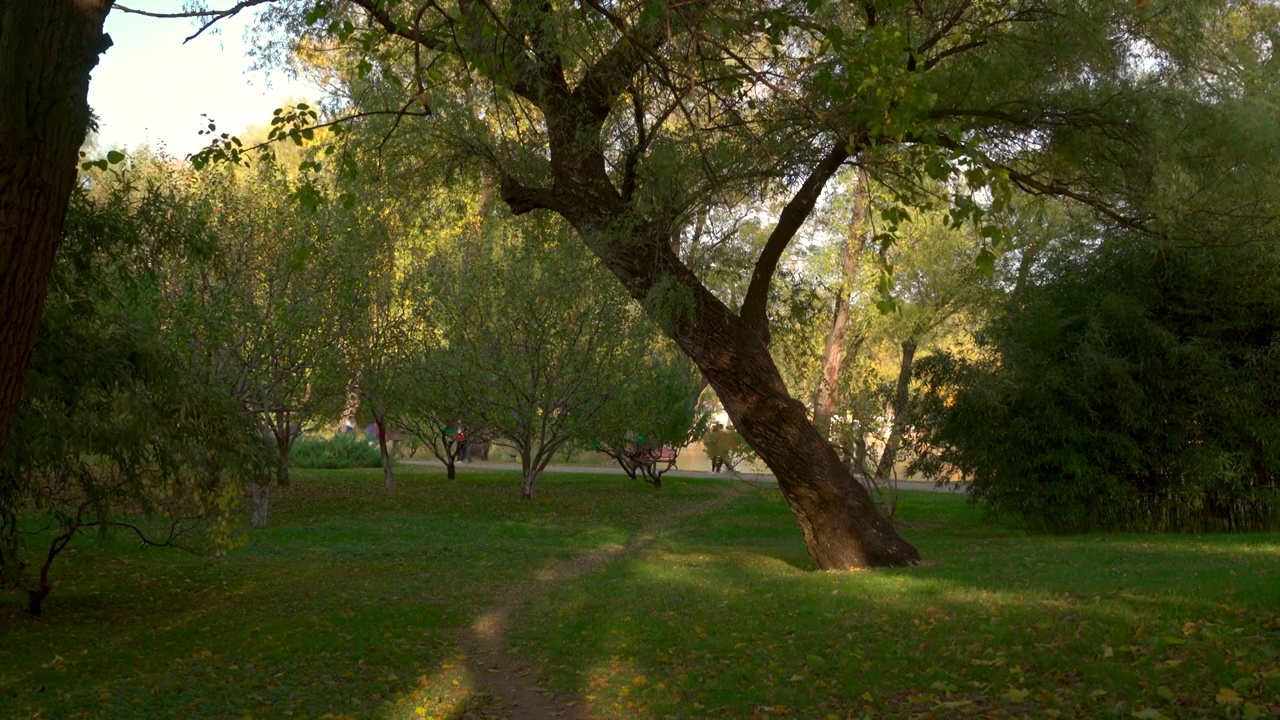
{"type": "Point", "coordinates": [340, 451]}
{"type": "Point", "coordinates": [1137, 389]}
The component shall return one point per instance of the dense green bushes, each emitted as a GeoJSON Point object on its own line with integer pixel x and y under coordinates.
{"type": "Point", "coordinates": [340, 451]}
{"type": "Point", "coordinates": [1137, 388]}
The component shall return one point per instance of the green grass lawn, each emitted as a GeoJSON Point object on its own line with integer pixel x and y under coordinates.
{"type": "Point", "coordinates": [350, 605]}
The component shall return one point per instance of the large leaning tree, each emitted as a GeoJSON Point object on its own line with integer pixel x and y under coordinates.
{"type": "Point", "coordinates": [47, 50]}
{"type": "Point", "coordinates": [629, 117]}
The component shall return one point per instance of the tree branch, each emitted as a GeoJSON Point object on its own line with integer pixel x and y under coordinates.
{"type": "Point", "coordinates": [755, 304]}
{"type": "Point", "coordinates": [213, 15]}
{"type": "Point", "coordinates": [523, 199]}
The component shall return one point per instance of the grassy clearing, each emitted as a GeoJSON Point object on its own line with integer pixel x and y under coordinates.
{"type": "Point", "coordinates": [724, 619]}
{"type": "Point", "coordinates": [348, 606]}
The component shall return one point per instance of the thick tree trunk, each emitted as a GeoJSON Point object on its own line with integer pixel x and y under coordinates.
{"type": "Point", "coordinates": [841, 525]}
{"type": "Point", "coordinates": [261, 504]}
{"type": "Point", "coordinates": [47, 50]}
{"type": "Point", "coordinates": [839, 520]}
{"type": "Point", "coordinates": [901, 396]}
{"type": "Point", "coordinates": [450, 469]}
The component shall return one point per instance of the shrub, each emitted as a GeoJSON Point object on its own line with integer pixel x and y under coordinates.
{"type": "Point", "coordinates": [1137, 389]}
{"type": "Point", "coordinates": [340, 451]}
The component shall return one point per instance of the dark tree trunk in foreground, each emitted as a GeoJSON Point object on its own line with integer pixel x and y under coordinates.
{"type": "Point", "coordinates": [47, 50]}
{"type": "Point", "coordinates": [901, 396]}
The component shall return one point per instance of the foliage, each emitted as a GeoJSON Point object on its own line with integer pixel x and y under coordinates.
{"type": "Point", "coordinates": [653, 417]}
{"type": "Point", "coordinates": [112, 433]}
{"type": "Point", "coordinates": [268, 312]}
{"type": "Point", "coordinates": [344, 450]}
{"type": "Point", "coordinates": [1136, 388]}
{"type": "Point", "coordinates": [543, 338]}
{"type": "Point", "coordinates": [729, 446]}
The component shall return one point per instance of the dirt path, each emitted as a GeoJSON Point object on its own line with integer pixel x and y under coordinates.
{"type": "Point", "coordinates": [509, 687]}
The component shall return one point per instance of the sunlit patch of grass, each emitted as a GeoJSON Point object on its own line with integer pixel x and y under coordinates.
{"type": "Point", "coordinates": [721, 620]}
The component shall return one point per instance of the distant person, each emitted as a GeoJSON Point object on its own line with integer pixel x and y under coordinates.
{"type": "Point", "coordinates": [462, 448]}
{"type": "Point", "coordinates": [716, 447]}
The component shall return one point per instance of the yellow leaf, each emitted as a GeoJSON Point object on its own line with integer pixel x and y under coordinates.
{"type": "Point", "coordinates": [1227, 696]}
{"type": "Point", "coordinates": [866, 696]}
{"type": "Point", "coordinates": [1017, 694]}
{"type": "Point", "coordinates": [639, 680]}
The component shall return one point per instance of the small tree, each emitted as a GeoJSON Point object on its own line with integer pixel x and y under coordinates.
{"type": "Point", "coordinates": [544, 333]}
{"type": "Point", "coordinates": [438, 404]}
{"type": "Point", "coordinates": [655, 416]}
{"type": "Point", "coordinates": [267, 314]}
{"type": "Point", "coordinates": [728, 447]}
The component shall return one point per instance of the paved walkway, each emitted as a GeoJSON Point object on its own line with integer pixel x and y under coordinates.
{"type": "Point", "coordinates": [486, 466]}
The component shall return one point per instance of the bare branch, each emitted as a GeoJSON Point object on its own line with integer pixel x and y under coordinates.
{"type": "Point", "coordinates": [211, 16]}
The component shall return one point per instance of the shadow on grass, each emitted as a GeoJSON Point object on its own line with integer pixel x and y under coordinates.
{"type": "Point", "coordinates": [723, 619]}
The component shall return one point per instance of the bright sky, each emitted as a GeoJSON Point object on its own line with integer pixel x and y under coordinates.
{"type": "Point", "coordinates": [149, 88]}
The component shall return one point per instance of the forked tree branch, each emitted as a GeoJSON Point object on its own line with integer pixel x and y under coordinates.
{"type": "Point", "coordinates": [211, 16]}
{"type": "Point", "coordinates": [755, 304]}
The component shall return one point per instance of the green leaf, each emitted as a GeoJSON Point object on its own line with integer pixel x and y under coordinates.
{"type": "Point", "coordinates": [115, 157]}
{"type": "Point", "coordinates": [986, 262]}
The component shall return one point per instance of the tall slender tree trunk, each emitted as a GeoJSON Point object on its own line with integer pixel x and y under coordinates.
{"type": "Point", "coordinates": [283, 431]}
{"type": "Point", "coordinates": [901, 396]}
{"type": "Point", "coordinates": [855, 243]}
{"type": "Point", "coordinates": [380, 423]}
{"type": "Point", "coordinates": [351, 408]}
{"type": "Point", "coordinates": [47, 50]}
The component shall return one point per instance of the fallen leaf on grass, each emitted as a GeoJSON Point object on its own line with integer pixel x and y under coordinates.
{"type": "Point", "coordinates": [1017, 694]}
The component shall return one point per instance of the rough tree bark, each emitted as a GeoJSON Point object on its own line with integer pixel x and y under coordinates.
{"type": "Point", "coordinates": [47, 50]}
{"type": "Point", "coordinates": [901, 396]}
